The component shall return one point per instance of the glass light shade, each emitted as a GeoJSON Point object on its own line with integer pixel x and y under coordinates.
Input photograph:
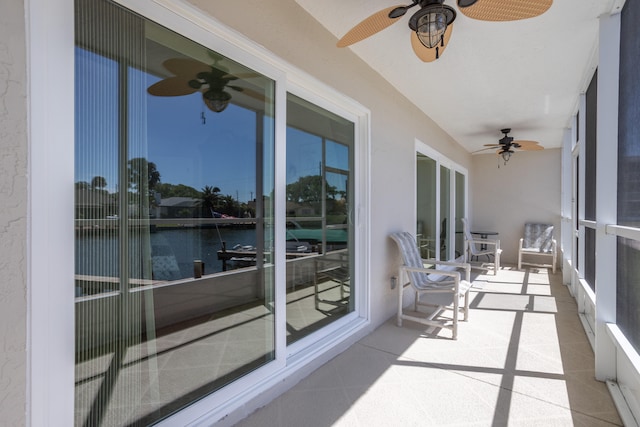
{"type": "Point", "coordinates": [431, 27]}
{"type": "Point", "coordinates": [216, 101]}
{"type": "Point", "coordinates": [506, 155]}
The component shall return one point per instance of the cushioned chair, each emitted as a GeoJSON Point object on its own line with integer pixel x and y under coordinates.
{"type": "Point", "coordinates": [481, 247]}
{"type": "Point", "coordinates": [538, 241]}
{"type": "Point", "coordinates": [438, 286]}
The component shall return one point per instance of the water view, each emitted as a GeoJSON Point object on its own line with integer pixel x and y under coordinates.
{"type": "Point", "coordinates": [173, 251]}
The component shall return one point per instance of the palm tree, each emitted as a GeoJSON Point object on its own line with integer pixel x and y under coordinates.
{"type": "Point", "coordinates": [209, 200]}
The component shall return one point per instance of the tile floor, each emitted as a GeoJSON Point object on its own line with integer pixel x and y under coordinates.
{"type": "Point", "coordinates": [523, 359]}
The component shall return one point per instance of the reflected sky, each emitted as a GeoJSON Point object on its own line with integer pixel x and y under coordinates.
{"type": "Point", "coordinates": [189, 144]}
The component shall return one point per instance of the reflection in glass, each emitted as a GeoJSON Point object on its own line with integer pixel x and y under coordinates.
{"type": "Point", "coordinates": [174, 185]}
{"type": "Point", "coordinates": [628, 256]}
{"type": "Point", "coordinates": [628, 291]}
{"type": "Point", "coordinates": [319, 232]}
{"type": "Point", "coordinates": [590, 257]}
{"type": "Point", "coordinates": [460, 213]}
{"type": "Point", "coordinates": [445, 209]}
{"type": "Point", "coordinates": [426, 206]}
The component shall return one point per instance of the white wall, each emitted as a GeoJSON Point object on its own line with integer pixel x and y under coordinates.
{"type": "Point", "coordinates": [13, 214]}
{"type": "Point", "coordinates": [504, 197]}
{"type": "Point", "coordinates": [289, 32]}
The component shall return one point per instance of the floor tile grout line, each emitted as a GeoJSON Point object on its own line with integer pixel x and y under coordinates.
{"type": "Point", "coordinates": [433, 365]}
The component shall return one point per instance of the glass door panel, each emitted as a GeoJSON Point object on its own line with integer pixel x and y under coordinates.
{"type": "Point", "coordinates": [174, 172]}
{"type": "Point", "coordinates": [445, 213]}
{"type": "Point", "coordinates": [426, 230]}
{"type": "Point", "coordinates": [319, 231]}
{"type": "Point", "coordinates": [460, 213]}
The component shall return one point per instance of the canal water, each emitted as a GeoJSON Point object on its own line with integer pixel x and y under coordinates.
{"type": "Point", "coordinates": [173, 251]}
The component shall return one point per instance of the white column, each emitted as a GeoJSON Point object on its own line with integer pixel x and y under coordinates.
{"type": "Point", "coordinates": [606, 192]}
{"type": "Point", "coordinates": [566, 232]}
{"type": "Point", "coordinates": [51, 211]}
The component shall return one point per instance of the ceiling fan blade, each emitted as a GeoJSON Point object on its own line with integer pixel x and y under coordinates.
{"type": "Point", "coordinates": [525, 142]}
{"type": "Point", "coordinates": [369, 26]}
{"type": "Point", "coordinates": [493, 145]}
{"type": "Point", "coordinates": [483, 149]}
{"type": "Point", "coordinates": [503, 10]}
{"type": "Point", "coordinates": [185, 67]}
{"type": "Point", "coordinates": [172, 86]}
{"type": "Point", "coordinates": [533, 147]}
{"type": "Point", "coordinates": [426, 54]}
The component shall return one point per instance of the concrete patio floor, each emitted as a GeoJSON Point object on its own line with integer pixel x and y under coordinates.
{"type": "Point", "coordinates": [523, 359]}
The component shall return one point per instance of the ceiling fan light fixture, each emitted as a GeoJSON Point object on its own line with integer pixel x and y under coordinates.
{"type": "Point", "coordinates": [430, 23]}
{"type": "Point", "coordinates": [216, 101]}
{"type": "Point", "coordinates": [506, 155]}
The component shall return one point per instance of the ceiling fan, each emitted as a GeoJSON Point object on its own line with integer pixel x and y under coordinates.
{"type": "Point", "coordinates": [432, 24]}
{"type": "Point", "coordinates": [190, 76]}
{"type": "Point", "coordinates": [506, 146]}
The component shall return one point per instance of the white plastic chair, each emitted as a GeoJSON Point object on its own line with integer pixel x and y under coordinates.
{"type": "Point", "coordinates": [441, 288]}
{"type": "Point", "coordinates": [481, 247]}
{"type": "Point", "coordinates": [538, 240]}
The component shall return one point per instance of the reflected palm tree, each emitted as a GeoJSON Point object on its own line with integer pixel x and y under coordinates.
{"type": "Point", "coordinates": [209, 200]}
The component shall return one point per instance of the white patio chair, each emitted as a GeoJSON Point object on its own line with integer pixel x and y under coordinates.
{"type": "Point", "coordinates": [481, 247]}
{"type": "Point", "coordinates": [441, 288]}
{"type": "Point", "coordinates": [538, 240]}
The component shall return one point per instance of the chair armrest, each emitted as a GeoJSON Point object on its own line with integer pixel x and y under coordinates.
{"type": "Point", "coordinates": [485, 241]}
{"type": "Point", "coordinates": [445, 285]}
{"type": "Point", "coordinates": [465, 265]}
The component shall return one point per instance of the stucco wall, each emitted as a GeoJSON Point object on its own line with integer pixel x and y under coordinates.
{"type": "Point", "coordinates": [526, 189]}
{"type": "Point", "coordinates": [13, 214]}
{"type": "Point", "coordinates": [288, 31]}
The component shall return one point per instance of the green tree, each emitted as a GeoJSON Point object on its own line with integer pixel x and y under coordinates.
{"type": "Point", "coordinates": [177, 190]}
{"type": "Point", "coordinates": [98, 182]}
{"type": "Point", "coordinates": [143, 175]}
{"type": "Point", "coordinates": [209, 200]}
{"type": "Point", "coordinates": [309, 189]}
{"type": "Point", "coordinates": [228, 205]}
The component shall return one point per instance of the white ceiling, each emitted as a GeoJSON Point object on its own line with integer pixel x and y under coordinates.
{"type": "Point", "coordinates": [525, 75]}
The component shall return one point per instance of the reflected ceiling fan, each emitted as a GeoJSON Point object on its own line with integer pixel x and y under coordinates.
{"type": "Point", "coordinates": [190, 76]}
{"type": "Point", "coordinates": [432, 24]}
{"type": "Point", "coordinates": [506, 146]}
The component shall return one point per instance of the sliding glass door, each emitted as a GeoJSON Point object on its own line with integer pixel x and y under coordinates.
{"type": "Point", "coordinates": [319, 235]}
{"type": "Point", "coordinates": [176, 207]}
{"type": "Point", "coordinates": [440, 205]}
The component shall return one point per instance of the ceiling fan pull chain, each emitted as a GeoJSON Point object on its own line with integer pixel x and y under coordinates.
{"type": "Point", "coordinates": [437, 53]}
{"type": "Point", "coordinates": [442, 40]}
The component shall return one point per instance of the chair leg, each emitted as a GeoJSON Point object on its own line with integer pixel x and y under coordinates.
{"type": "Point", "coordinates": [466, 306]}
{"type": "Point", "coordinates": [456, 308]}
{"type": "Point", "coordinates": [400, 289]}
